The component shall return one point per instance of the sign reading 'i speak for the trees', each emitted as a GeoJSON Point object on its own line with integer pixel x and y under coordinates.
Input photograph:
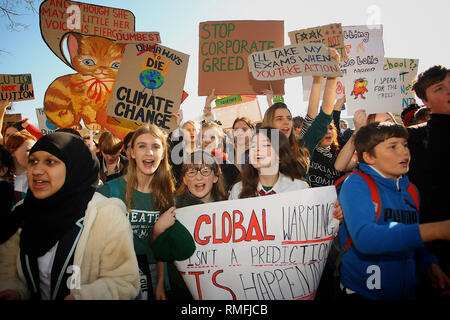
{"type": "Point", "coordinates": [266, 248]}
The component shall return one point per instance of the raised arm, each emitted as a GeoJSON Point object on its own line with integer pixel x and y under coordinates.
{"type": "Point", "coordinates": [345, 160]}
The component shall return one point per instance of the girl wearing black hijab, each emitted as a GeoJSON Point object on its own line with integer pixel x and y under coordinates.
{"type": "Point", "coordinates": [72, 243]}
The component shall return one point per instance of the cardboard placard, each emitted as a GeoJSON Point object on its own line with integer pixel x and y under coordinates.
{"type": "Point", "coordinates": [227, 114]}
{"type": "Point", "coordinates": [45, 126]}
{"type": "Point", "coordinates": [138, 37]}
{"type": "Point", "coordinates": [223, 51]}
{"type": "Point", "coordinates": [296, 60]}
{"type": "Point", "coordinates": [58, 18]}
{"type": "Point", "coordinates": [12, 117]}
{"type": "Point", "coordinates": [365, 50]}
{"type": "Point", "coordinates": [16, 87]}
{"type": "Point", "coordinates": [330, 35]}
{"type": "Point", "coordinates": [149, 86]}
{"type": "Point", "coordinates": [408, 72]}
{"type": "Point", "coordinates": [266, 248]}
{"type": "Point", "coordinates": [375, 92]}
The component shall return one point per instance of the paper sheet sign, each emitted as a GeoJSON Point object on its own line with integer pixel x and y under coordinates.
{"type": "Point", "coordinates": [293, 61]}
{"type": "Point", "coordinates": [376, 92]}
{"type": "Point", "coordinates": [408, 72]}
{"type": "Point", "coordinates": [223, 50]}
{"type": "Point", "coordinates": [266, 248]}
{"type": "Point", "coordinates": [330, 35]}
{"type": "Point", "coordinates": [149, 85]}
{"type": "Point", "coordinates": [365, 50]}
{"type": "Point", "coordinates": [45, 126]}
{"type": "Point", "coordinates": [16, 87]}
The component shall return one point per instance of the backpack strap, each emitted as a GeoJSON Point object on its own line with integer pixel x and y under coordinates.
{"type": "Point", "coordinates": [414, 195]}
{"type": "Point", "coordinates": [373, 193]}
{"type": "Point", "coordinates": [114, 190]}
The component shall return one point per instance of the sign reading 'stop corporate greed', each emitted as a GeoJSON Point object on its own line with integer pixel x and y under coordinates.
{"type": "Point", "coordinates": [266, 248]}
{"type": "Point", "coordinates": [223, 51]}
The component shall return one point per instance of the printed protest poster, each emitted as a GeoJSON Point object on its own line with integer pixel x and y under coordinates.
{"type": "Point", "coordinates": [293, 61]}
{"type": "Point", "coordinates": [408, 72]}
{"type": "Point", "coordinates": [149, 86]}
{"type": "Point", "coordinates": [375, 92]}
{"type": "Point", "coordinates": [365, 50]}
{"type": "Point", "coordinates": [227, 114]}
{"type": "Point", "coordinates": [16, 87]}
{"type": "Point", "coordinates": [331, 35]}
{"type": "Point", "coordinates": [223, 51]}
{"type": "Point", "coordinates": [45, 126]}
{"type": "Point", "coordinates": [266, 248]}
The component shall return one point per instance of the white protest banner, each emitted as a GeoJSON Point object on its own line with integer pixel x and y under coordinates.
{"type": "Point", "coordinates": [295, 60]}
{"type": "Point", "coordinates": [365, 50]}
{"type": "Point", "coordinates": [273, 247]}
{"type": "Point", "coordinates": [408, 72]}
{"type": "Point", "coordinates": [375, 92]}
{"type": "Point", "coordinates": [45, 126]}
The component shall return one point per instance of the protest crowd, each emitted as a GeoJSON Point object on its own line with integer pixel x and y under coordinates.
{"type": "Point", "coordinates": [107, 206]}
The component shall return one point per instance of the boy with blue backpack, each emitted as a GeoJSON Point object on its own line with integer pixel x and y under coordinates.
{"type": "Point", "coordinates": [381, 234]}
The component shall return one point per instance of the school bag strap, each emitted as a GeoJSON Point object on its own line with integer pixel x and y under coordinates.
{"type": "Point", "coordinates": [414, 195]}
{"type": "Point", "coordinates": [373, 193]}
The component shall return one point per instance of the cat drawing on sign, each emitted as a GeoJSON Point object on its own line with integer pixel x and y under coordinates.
{"type": "Point", "coordinates": [75, 97]}
{"type": "Point", "coordinates": [359, 88]}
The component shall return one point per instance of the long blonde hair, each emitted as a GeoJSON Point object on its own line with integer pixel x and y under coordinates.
{"type": "Point", "coordinates": [162, 184]}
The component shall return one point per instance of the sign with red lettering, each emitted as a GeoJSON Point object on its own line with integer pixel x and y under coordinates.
{"type": "Point", "coordinates": [138, 37]}
{"type": "Point", "coordinates": [224, 48]}
{"type": "Point", "coordinates": [16, 87]}
{"type": "Point", "coordinates": [293, 61]}
{"type": "Point", "coordinates": [266, 248]}
{"type": "Point", "coordinates": [330, 35]}
{"type": "Point", "coordinates": [149, 86]}
{"type": "Point", "coordinates": [59, 18]}
{"type": "Point", "coordinates": [365, 50]}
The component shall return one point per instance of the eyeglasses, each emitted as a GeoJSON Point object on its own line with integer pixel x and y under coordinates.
{"type": "Point", "coordinates": [204, 171]}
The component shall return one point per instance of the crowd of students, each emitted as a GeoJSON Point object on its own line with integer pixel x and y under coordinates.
{"type": "Point", "coordinates": [109, 214]}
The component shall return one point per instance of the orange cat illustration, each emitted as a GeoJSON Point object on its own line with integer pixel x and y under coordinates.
{"type": "Point", "coordinates": [75, 97]}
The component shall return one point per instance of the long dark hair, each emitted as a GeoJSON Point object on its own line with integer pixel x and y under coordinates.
{"type": "Point", "coordinates": [301, 153]}
{"type": "Point", "coordinates": [288, 163]}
